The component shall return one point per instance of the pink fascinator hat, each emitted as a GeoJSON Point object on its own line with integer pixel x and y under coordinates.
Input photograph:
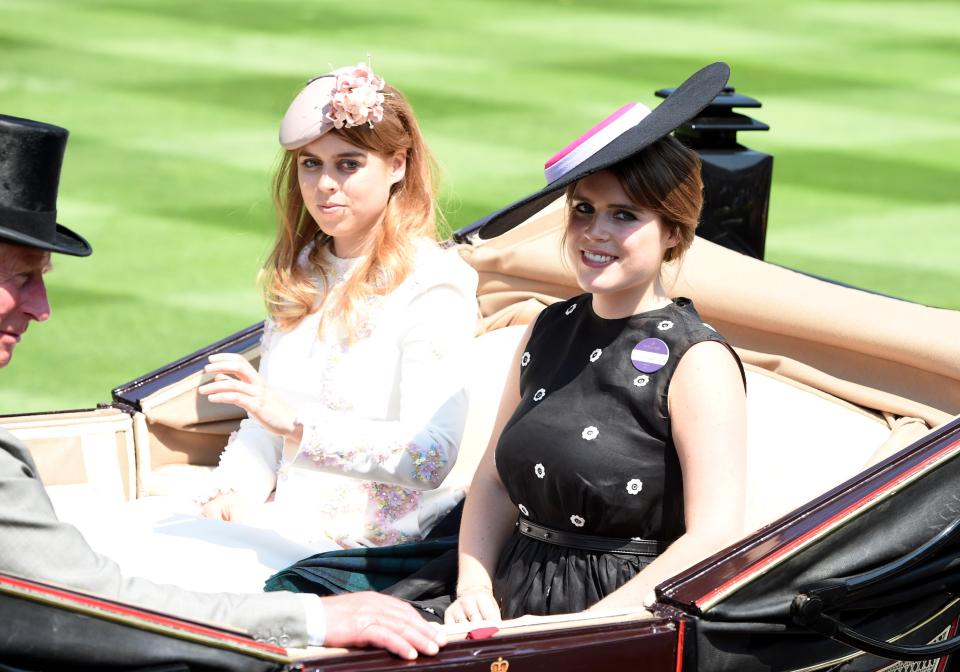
{"type": "Point", "coordinates": [344, 98]}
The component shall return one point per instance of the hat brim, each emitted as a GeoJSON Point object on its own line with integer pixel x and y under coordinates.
{"type": "Point", "coordinates": [65, 241]}
{"type": "Point", "coordinates": [686, 102]}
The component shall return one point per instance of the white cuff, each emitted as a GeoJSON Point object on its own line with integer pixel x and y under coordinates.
{"type": "Point", "coordinates": [316, 618]}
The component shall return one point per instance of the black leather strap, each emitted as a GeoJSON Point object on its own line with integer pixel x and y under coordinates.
{"type": "Point", "coordinates": [588, 542]}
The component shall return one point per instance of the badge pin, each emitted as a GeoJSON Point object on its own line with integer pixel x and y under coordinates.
{"type": "Point", "coordinates": [649, 355]}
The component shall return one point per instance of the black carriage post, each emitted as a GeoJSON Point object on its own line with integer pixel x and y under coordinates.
{"type": "Point", "coordinates": [736, 179]}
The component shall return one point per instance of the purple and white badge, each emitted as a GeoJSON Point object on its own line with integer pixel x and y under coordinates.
{"type": "Point", "coordinates": [650, 355]}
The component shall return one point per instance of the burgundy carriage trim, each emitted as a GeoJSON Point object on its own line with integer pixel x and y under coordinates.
{"type": "Point", "coordinates": [138, 618]}
{"type": "Point", "coordinates": [717, 595]}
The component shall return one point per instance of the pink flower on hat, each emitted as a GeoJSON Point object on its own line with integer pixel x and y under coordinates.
{"type": "Point", "coordinates": [356, 97]}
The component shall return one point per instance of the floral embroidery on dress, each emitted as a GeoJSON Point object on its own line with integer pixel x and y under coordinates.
{"type": "Point", "coordinates": [577, 520]}
{"type": "Point", "coordinates": [525, 359]}
{"type": "Point", "coordinates": [539, 470]}
{"type": "Point", "coordinates": [634, 486]}
{"type": "Point", "coordinates": [428, 461]}
{"type": "Point", "coordinates": [523, 510]}
{"type": "Point", "coordinates": [388, 503]}
{"type": "Point", "coordinates": [355, 457]}
{"type": "Point", "coordinates": [595, 355]}
{"type": "Point", "coordinates": [539, 394]}
{"type": "Point", "coordinates": [569, 310]}
{"type": "Point", "coordinates": [332, 390]}
{"type": "Point", "coordinates": [664, 325]}
{"type": "Point", "coordinates": [381, 537]}
{"type": "Point", "coordinates": [590, 433]}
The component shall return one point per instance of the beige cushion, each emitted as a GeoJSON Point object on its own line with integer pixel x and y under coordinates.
{"type": "Point", "coordinates": [490, 357]}
{"type": "Point", "coordinates": [800, 443]}
{"type": "Point", "coordinates": [81, 456]}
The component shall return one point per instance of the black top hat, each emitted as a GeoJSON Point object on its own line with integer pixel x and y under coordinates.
{"type": "Point", "coordinates": [623, 134]}
{"type": "Point", "coordinates": [31, 154]}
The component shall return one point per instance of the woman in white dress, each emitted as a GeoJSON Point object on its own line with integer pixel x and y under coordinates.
{"type": "Point", "coordinates": [358, 408]}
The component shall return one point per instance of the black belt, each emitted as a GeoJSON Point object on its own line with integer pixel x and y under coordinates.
{"type": "Point", "coordinates": [588, 542]}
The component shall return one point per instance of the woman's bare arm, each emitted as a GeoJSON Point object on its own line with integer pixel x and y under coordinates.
{"type": "Point", "coordinates": [488, 517]}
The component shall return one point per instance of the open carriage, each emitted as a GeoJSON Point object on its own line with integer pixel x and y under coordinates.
{"type": "Point", "coordinates": [853, 440]}
{"type": "Point", "coordinates": [851, 555]}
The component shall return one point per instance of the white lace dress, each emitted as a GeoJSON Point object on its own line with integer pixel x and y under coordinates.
{"type": "Point", "coordinates": [383, 416]}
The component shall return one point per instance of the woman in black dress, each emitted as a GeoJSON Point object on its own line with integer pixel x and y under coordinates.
{"type": "Point", "coordinates": [618, 456]}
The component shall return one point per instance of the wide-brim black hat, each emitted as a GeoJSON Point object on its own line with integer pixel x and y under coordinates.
{"type": "Point", "coordinates": [682, 105]}
{"type": "Point", "coordinates": [31, 155]}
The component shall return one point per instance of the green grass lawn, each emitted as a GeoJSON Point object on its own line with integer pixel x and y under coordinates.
{"type": "Point", "coordinates": [173, 107]}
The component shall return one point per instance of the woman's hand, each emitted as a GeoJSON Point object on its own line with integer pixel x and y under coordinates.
{"type": "Point", "coordinates": [472, 606]}
{"type": "Point", "coordinates": [237, 382]}
{"type": "Point", "coordinates": [228, 506]}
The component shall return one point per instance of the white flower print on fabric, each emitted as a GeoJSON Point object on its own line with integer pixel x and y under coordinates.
{"type": "Point", "coordinates": [641, 380]}
{"type": "Point", "coordinates": [664, 325]}
{"type": "Point", "coordinates": [636, 538]}
{"type": "Point", "coordinates": [590, 433]}
{"type": "Point", "coordinates": [539, 470]}
{"type": "Point", "coordinates": [525, 359]}
{"type": "Point", "coordinates": [539, 394]}
{"type": "Point", "coordinates": [570, 309]}
{"type": "Point", "coordinates": [523, 510]}
{"type": "Point", "coordinates": [595, 355]}
{"type": "Point", "coordinates": [577, 520]}
{"type": "Point", "coordinates": [634, 486]}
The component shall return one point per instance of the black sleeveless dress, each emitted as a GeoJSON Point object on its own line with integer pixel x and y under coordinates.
{"type": "Point", "coordinates": [589, 451]}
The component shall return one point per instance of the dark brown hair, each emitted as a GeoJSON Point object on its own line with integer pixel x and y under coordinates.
{"type": "Point", "coordinates": [664, 178]}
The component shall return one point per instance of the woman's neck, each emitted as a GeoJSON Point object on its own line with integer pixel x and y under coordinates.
{"type": "Point", "coordinates": [624, 303]}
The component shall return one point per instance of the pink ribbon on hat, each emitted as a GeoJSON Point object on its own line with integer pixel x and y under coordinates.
{"type": "Point", "coordinates": [594, 140]}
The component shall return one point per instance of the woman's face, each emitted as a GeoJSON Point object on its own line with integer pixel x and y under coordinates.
{"type": "Point", "coordinates": [616, 246]}
{"type": "Point", "coordinates": [345, 189]}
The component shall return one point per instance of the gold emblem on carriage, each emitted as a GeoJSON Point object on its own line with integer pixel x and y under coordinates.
{"type": "Point", "coordinates": [499, 665]}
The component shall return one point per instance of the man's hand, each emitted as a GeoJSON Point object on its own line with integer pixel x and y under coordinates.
{"type": "Point", "coordinates": [371, 619]}
{"type": "Point", "coordinates": [237, 382]}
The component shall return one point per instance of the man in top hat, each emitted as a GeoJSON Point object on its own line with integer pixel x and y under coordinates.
{"type": "Point", "coordinates": [36, 545]}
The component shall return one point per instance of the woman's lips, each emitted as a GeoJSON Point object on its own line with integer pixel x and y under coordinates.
{"type": "Point", "coordinates": [330, 208]}
{"type": "Point", "coordinates": [593, 259]}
